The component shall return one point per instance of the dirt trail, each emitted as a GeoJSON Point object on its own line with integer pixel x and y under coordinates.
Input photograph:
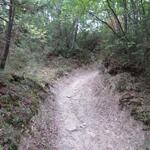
{"type": "Point", "coordinates": [84, 116]}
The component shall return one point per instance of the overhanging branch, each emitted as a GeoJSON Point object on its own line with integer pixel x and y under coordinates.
{"type": "Point", "coordinates": [105, 23]}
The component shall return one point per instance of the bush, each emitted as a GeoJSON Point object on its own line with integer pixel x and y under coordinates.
{"type": "Point", "coordinates": [89, 40]}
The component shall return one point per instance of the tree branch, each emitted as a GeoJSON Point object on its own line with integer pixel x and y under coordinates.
{"type": "Point", "coordinates": [3, 19]}
{"type": "Point", "coordinates": [116, 17]}
{"type": "Point", "coordinates": [104, 22]}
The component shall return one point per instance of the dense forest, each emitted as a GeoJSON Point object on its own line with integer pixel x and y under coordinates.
{"type": "Point", "coordinates": [36, 35]}
{"type": "Point", "coordinates": [75, 28]}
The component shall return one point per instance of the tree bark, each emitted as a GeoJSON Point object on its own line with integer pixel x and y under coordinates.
{"type": "Point", "coordinates": [8, 34]}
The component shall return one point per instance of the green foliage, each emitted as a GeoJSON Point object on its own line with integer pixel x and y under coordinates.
{"type": "Point", "coordinates": [89, 41]}
{"type": "Point", "coordinates": [66, 28]}
{"type": "Point", "coordinates": [142, 114]}
{"type": "Point", "coordinates": [124, 29]}
{"type": "Point", "coordinates": [51, 28]}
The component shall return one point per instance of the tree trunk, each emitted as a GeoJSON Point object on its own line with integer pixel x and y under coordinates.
{"type": "Point", "coordinates": [125, 16]}
{"type": "Point", "coordinates": [144, 20]}
{"type": "Point", "coordinates": [8, 34]}
{"type": "Point", "coordinates": [74, 33]}
{"type": "Point", "coordinates": [134, 17]}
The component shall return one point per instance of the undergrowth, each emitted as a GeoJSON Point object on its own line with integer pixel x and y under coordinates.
{"type": "Point", "coordinates": [19, 100]}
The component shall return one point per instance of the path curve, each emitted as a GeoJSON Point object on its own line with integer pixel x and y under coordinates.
{"type": "Point", "coordinates": [86, 117]}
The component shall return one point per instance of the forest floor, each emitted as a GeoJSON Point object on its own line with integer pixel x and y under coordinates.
{"type": "Point", "coordinates": [83, 114]}
{"type": "Point", "coordinates": [22, 91]}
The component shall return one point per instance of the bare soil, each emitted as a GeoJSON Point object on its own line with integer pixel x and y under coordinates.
{"type": "Point", "coordinates": [83, 114]}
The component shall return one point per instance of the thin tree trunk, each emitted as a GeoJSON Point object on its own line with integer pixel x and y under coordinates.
{"type": "Point", "coordinates": [144, 20]}
{"type": "Point", "coordinates": [134, 17]}
{"type": "Point", "coordinates": [74, 33]}
{"type": "Point", "coordinates": [8, 34]}
{"type": "Point", "coordinates": [125, 16]}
